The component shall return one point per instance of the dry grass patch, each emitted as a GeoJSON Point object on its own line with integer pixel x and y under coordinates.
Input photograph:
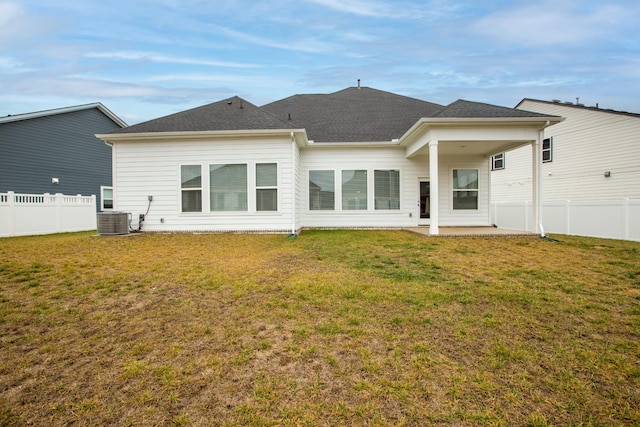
{"type": "Point", "coordinates": [330, 328]}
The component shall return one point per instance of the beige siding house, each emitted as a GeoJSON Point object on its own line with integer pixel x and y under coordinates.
{"type": "Point", "coordinates": [590, 174]}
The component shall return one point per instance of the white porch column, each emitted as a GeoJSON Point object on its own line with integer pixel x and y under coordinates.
{"type": "Point", "coordinates": [536, 183]}
{"type": "Point", "coordinates": [433, 188]}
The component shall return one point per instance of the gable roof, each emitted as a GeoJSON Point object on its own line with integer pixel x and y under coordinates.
{"type": "Point", "coordinates": [355, 114]}
{"type": "Point", "coordinates": [580, 106]}
{"type": "Point", "coordinates": [55, 111]}
{"type": "Point", "coordinates": [229, 114]}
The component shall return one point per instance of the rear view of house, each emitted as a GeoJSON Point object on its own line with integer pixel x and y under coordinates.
{"type": "Point", "coordinates": [56, 151]}
{"type": "Point", "coordinates": [356, 158]}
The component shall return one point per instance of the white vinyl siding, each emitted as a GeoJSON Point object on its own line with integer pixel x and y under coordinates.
{"type": "Point", "coordinates": [153, 168]}
{"type": "Point", "coordinates": [586, 145]}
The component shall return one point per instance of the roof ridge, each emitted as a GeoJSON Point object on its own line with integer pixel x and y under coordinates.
{"type": "Point", "coordinates": [63, 110]}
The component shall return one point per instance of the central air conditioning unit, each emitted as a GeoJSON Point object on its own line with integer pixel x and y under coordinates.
{"type": "Point", "coordinates": [113, 223]}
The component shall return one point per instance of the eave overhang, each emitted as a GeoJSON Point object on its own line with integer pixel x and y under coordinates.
{"type": "Point", "coordinates": [299, 136]}
{"type": "Point", "coordinates": [423, 125]}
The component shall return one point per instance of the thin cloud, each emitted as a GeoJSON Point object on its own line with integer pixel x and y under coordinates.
{"type": "Point", "coordinates": [308, 45]}
{"type": "Point", "coordinates": [389, 9]}
{"type": "Point", "coordinates": [551, 23]}
{"type": "Point", "coordinates": [153, 57]}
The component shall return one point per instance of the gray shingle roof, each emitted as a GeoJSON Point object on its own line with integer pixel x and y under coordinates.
{"type": "Point", "coordinates": [229, 114]}
{"type": "Point", "coordinates": [468, 110]}
{"type": "Point", "coordinates": [353, 114]}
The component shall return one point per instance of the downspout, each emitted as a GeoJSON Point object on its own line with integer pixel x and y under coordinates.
{"type": "Point", "coordinates": [294, 184]}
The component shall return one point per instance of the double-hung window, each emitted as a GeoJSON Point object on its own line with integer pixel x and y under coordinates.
{"type": "Point", "coordinates": [191, 188]}
{"type": "Point", "coordinates": [547, 150]}
{"type": "Point", "coordinates": [465, 189]}
{"type": "Point", "coordinates": [228, 187]}
{"type": "Point", "coordinates": [321, 190]}
{"type": "Point", "coordinates": [354, 190]}
{"type": "Point", "coordinates": [497, 162]}
{"type": "Point", "coordinates": [106, 198]}
{"type": "Point", "coordinates": [386, 189]}
{"type": "Point", "coordinates": [266, 187]}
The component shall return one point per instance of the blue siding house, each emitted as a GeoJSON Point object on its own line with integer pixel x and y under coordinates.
{"type": "Point", "coordinates": [56, 151]}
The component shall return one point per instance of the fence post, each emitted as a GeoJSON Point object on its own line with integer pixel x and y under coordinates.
{"type": "Point", "coordinates": [625, 219]}
{"type": "Point", "coordinates": [58, 208]}
{"type": "Point", "coordinates": [567, 204]}
{"type": "Point", "coordinates": [11, 200]}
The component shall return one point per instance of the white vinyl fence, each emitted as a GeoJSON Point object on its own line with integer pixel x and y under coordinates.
{"type": "Point", "coordinates": [30, 214]}
{"type": "Point", "coordinates": [611, 219]}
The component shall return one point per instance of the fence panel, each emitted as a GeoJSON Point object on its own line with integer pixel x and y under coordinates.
{"type": "Point", "coordinates": [30, 214]}
{"type": "Point", "coordinates": [611, 219]}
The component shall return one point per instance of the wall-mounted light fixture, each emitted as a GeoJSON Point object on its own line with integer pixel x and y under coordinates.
{"type": "Point", "coordinates": [55, 181]}
{"type": "Point", "coordinates": [607, 174]}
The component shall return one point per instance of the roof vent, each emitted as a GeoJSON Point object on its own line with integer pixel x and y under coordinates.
{"type": "Point", "coordinates": [557, 101]}
{"type": "Point", "coordinates": [358, 83]}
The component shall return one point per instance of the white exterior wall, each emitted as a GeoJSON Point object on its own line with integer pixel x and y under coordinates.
{"type": "Point", "coordinates": [585, 145]}
{"type": "Point", "coordinates": [147, 168]}
{"type": "Point", "coordinates": [411, 171]}
{"type": "Point", "coordinates": [576, 196]}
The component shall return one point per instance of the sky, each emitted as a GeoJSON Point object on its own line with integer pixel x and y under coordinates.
{"type": "Point", "coordinates": [145, 59]}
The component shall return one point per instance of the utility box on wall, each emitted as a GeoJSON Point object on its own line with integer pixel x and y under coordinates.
{"type": "Point", "coordinates": [113, 223]}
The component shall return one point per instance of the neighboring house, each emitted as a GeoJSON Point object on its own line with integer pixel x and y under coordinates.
{"type": "Point", "coordinates": [356, 158]}
{"type": "Point", "coordinates": [56, 151]}
{"type": "Point", "coordinates": [590, 171]}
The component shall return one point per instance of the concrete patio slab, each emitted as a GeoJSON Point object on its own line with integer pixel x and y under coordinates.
{"type": "Point", "coordinates": [473, 232]}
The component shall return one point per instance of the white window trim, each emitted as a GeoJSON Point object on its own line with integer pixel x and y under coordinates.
{"type": "Point", "coordinates": [494, 159]}
{"type": "Point", "coordinates": [251, 190]}
{"type": "Point", "coordinates": [254, 203]}
{"type": "Point", "coordinates": [337, 192]}
{"type": "Point", "coordinates": [550, 150]}
{"type": "Point", "coordinates": [369, 185]}
{"type": "Point", "coordinates": [102, 198]}
{"type": "Point", "coordinates": [451, 190]}
{"type": "Point", "coordinates": [204, 183]}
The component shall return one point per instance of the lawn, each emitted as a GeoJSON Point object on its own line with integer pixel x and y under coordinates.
{"type": "Point", "coordinates": [330, 328]}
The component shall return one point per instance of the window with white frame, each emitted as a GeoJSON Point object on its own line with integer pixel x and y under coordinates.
{"type": "Point", "coordinates": [547, 150]}
{"type": "Point", "coordinates": [191, 188]}
{"type": "Point", "coordinates": [106, 198]}
{"type": "Point", "coordinates": [386, 189]}
{"type": "Point", "coordinates": [321, 190]}
{"type": "Point", "coordinates": [228, 187]}
{"type": "Point", "coordinates": [354, 190]}
{"type": "Point", "coordinates": [266, 187]}
{"type": "Point", "coordinates": [465, 189]}
{"type": "Point", "coordinates": [497, 162]}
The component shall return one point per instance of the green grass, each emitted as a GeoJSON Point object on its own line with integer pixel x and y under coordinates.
{"type": "Point", "coordinates": [330, 328]}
